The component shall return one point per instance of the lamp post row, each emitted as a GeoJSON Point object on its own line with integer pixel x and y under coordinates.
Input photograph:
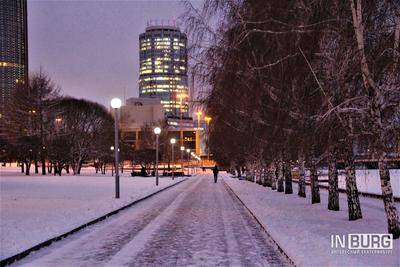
{"type": "Point", "coordinates": [116, 105]}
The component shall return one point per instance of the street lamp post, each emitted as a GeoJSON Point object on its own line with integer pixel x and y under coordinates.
{"type": "Point", "coordinates": [198, 149]}
{"type": "Point", "coordinates": [195, 165]}
{"type": "Point", "coordinates": [157, 131]}
{"type": "Point", "coordinates": [208, 119]}
{"type": "Point", "coordinates": [188, 159]}
{"type": "Point", "coordinates": [112, 166]}
{"type": "Point", "coordinates": [173, 141]}
{"type": "Point", "coordinates": [116, 104]}
{"type": "Point", "coordinates": [182, 149]}
{"type": "Point", "coordinates": [181, 96]}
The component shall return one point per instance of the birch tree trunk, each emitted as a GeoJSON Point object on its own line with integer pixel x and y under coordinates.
{"type": "Point", "coordinates": [353, 201]}
{"type": "Point", "coordinates": [27, 168]}
{"type": "Point", "coordinates": [302, 177]}
{"type": "Point", "coordinates": [239, 173]}
{"type": "Point", "coordinates": [280, 176]}
{"type": "Point", "coordinates": [43, 165]}
{"type": "Point", "coordinates": [268, 177]}
{"type": "Point", "coordinates": [288, 177]}
{"type": "Point", "coordinates": [75, 166]}
{"type": "Point", "coordinates": [258, 176]}
{"type": "Point", "coordinates": [273, 176]}
{"type": "Point", "coordinates": [333, 198]}
{"type": "Point", "coordinates": [387, 193]}
{"type": "Point", "coordinates": [36, 165]}
{"type": "Point", "coordinates": [315, 197]}
{"type": "Point", "coordinates": [49, 167]}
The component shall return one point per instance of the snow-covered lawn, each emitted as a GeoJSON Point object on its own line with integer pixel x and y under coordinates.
{"type": "Point", "coordinates": [36, 208]}
{"type": "Point", "coordinates": [368, 181]}
{"type": "Point", "coordinates": [303, 230]}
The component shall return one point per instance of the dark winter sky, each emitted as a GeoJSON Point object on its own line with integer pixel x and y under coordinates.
{"type": "Point", "coordinates": [90, 48]}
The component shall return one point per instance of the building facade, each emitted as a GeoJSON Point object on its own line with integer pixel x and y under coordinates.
{"type": "Point", "coordinates": [163, 68]}
{"type": "Point", "coordinates": [139, 113]}
{"type": "Point", "coordinates": [13, 47]}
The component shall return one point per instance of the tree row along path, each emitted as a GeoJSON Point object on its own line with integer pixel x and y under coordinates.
{"type": "Point", "coordinates": [197, 223]}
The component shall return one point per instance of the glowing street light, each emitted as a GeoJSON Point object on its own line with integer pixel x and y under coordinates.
{"type": "Point", "coordinates": [173, 141]}
{"type": "Point", "coordinates": [116, 104]}
{"type": "Point", "coordinates": [157, 132]}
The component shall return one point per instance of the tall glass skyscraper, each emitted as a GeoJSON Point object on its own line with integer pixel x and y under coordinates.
{"type": "Point", "coordinates": [163, 68]}
{"type": "Point", "coordinates": [13, 47]}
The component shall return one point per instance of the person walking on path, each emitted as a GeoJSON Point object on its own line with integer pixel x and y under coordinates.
{"type": "Point", "coordinates": [215, 171]}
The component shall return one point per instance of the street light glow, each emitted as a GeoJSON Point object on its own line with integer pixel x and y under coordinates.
{"type": "Point", "coordinates": [173, 140]}
{"type": "Point", "coordinates": [188, 150]}
{"type": "Point", "coordinates": [157, 130]}
{"type": "Point", "coordinates": [116, 103]}
{"type": "Point", "coordinates": [182, 148]}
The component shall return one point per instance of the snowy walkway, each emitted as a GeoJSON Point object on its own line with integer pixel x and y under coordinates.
{"type": "Point", "coordinates": [303, 230]}
{"type": "Point", "coordinates": [197, 223]}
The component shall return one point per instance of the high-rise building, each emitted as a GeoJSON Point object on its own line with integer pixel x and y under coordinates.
{"type": "Point", "coordinates": [13, 47]}
{"type": "Point", "coordinates": [163, 68]}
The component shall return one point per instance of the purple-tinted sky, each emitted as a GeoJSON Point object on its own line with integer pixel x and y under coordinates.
{"type": "Point", "coordinates": [90, 48]}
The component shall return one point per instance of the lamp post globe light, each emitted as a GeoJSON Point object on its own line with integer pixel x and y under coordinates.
{"type": "Point", "coordinates": [157, 132]}
{"type": "Point", "coordinates": [116, 104]}
{"type": "Point", "coordinates": [173, 141]}
{"type": "Point", "coordinates": [182, 150]}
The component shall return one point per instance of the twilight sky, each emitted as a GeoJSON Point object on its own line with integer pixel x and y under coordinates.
{"type": "Point", "coordinates": [90, 48]}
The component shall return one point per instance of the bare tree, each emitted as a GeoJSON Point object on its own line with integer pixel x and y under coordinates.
{"type": "Point", "coordinates": [83, 122]}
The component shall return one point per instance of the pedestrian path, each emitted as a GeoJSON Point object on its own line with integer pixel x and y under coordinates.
{"type": "Point", "coordinates": [197, 223]}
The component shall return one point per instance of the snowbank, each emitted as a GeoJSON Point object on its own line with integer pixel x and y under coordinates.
{"type": "Point", "coordinates": [368, 181]}
{"type": "Point", "coordinates": [303, 230]}
{"type": "Point", "coordinates": [36, 208]}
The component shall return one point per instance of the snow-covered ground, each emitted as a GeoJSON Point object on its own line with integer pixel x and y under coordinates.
{"type": "Point", "coordinates": [368, 181]}
{"type": "Point", "coordinates": [303, 230]}
{"type": "Point", "coordinates": [36, 208]}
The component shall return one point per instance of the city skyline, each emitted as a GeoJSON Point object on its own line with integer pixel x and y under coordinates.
{"type": "Point", "coordinates": [99, 42]}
